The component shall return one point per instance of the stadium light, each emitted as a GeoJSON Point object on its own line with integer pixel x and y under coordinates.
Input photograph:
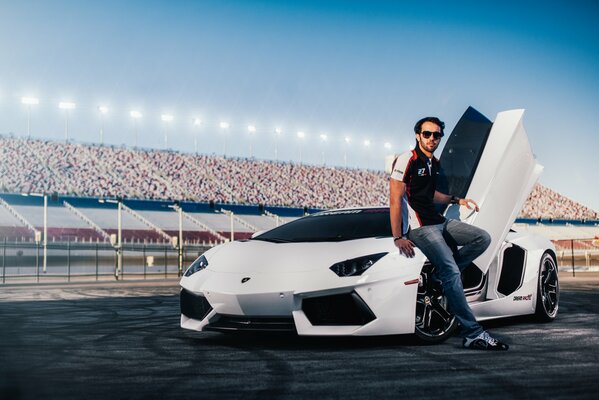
{"type": "Point", "coordinates": [224, 126]}
{"type": "Point", "coordinates": [136, 115]}
{"type": "Point", "coordinates": [166, 118]}
{"type": "Point", "coordinates": [323, 139]}
{"type": "Point", "coordinates": [197, 122]}
{"type": "Point", "coordinates": [388, 145]}
{"type": "Point", "coordinates": [29, 101]}
{"type": "Point", "coordinates": [251, 131]}
{"type": "Point", "coordinates": [278, 132]}
{"type": "Point", "coordinates": [103, 111]}
{"type": "Point", "coordinates": [301, 135]}
{"type": "Point", "coordinates": [66, 106]}
{"type": "Point", "coordinates": [346, 142]}
{"type": "Point", "coordinates": [367, 153]}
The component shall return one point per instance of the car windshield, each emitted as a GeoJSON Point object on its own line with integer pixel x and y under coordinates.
{"type": "Point", "coordinates": [333, 226]}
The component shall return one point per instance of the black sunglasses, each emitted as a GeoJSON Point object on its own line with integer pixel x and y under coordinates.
{"type": "Point", "coordinates": [436, 135]}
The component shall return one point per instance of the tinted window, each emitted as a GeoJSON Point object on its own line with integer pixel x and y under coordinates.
{"type": "Point", "coordinates": [462, 152]}
{"type": "Point", "coordinates": [333, 226]}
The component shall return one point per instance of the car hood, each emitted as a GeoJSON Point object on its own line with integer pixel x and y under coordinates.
{"type": "Point", "coordinates": [266, 257]}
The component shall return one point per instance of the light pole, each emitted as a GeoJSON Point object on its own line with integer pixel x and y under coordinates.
{"type": "Point", "coordinates": [278, 132]}
{"type": "Point", "coordinates": [45, 242]}
{"type": "Point", "coordinates": [301, 135]}
{"type": "Point", "coordinates": [119, 244]}
{"type": "Point", "coordinates": [136, 115]}
{"type": "Point", "coordinates": [66, 106]}
{"type": "Point", "coordinates": [347, 141]}
{"type": "Point", "coordinates": [45, 234]}
{"type": "Point", "coordinates": [323, 139]}
{"type": "Point", "coordinates": [224, 126]}
{"type": "Point", "coordinates": [103, 110]}
{"type": "Point", "coordinates": [367, 146]}
{"type": "Point", "coordinates": [177, 207]}
{"type": "Point", "coordinates": [120, 237]}
{"type": "Point", "coordinates": [166, 119]}
{"type": "Point", "coordinates": [251, 131]}
{"type": "Point", "coordinates": [197, 122]}
{"type": "Point", "coordinates": [29, 101]}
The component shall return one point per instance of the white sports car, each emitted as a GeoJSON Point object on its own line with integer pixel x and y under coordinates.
{"type": "Point", "coordinates": [338, 272]}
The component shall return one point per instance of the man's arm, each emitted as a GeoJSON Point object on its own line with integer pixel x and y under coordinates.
{"type": "Point", "coordinates": [397, 190]}
{"type": "Point", "coordinates": [443, 198]}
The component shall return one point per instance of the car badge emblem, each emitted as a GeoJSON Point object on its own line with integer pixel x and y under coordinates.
{"type": "Point", "coordinates": [244, 280]}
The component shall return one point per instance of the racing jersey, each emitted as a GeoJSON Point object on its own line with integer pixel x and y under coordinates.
{"type": "Point", "coordinates": [420, 175]}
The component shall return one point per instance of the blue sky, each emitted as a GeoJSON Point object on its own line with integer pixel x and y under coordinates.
{"type": "Point", "coordinates": [367, 70]}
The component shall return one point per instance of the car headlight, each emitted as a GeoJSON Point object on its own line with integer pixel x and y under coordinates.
{"type": "Point", "coordinates": [356, 266]}
{"type": "Point", "coordinates": [199, 264]}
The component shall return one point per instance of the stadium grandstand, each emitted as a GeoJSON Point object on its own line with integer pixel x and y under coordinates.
{"type": "Point", "coordinates": [205, 199]}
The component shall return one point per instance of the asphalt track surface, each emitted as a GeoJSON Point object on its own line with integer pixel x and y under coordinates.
{"type": "Point", "coordinates": [123, 341]}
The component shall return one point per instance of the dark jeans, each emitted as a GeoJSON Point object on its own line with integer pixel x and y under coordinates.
{"type": "Point", "coordinates": [473, 241]}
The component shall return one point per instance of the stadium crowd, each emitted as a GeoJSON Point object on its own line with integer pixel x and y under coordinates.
{"type": "Point", "coordinates": [32, 165]}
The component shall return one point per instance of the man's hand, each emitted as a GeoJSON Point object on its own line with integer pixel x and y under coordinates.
{"type": "Point", "coordinates": [469, 203]}
{"type": "Point", "coordinates": [406, 247]}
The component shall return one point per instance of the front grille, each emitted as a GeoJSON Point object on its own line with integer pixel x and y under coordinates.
{"type": "Point", "coordinates": [267, 324]}
{"type": "Point", "coordinates": [193, 306]}
{"type": "Point", "coordinates": [338, 309]}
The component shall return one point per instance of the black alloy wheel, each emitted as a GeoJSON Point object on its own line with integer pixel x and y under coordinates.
{"type": "Point", "coordinates": [434, 323]}
{"type": "Point", "coordinates": [547, 289]}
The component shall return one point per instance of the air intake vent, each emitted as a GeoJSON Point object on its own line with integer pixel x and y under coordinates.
{"type": "Point", "coordinates": [263, 324]}
{"type": "Point", "coordinates": [339, 309]}
{"type": "Point", "coordinates": [192, 306]}
{"type": "Point", "coordinates": [512, 270]}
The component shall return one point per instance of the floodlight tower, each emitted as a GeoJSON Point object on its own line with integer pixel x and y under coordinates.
{"type": "Point", "coordinates": [367, 146]}
{"type": "Point", "coordinates": [251, 131]}
{"type": "Point", "coordinates": [278, 132]}
{"type": "Point", "coordinates": [29, 101]}
{"type": "Point", "coordinates": [224, 126]}
{"type": "Point", "coordinates": [66, 106]}
{"type": "Point", "coordinates": [136, 115]}
{"type": "Point", "coordinates": [166, 119]}
{"type": "Point", "coordinates": [301, 135]}
{"type": "Point", "coordinates": [103, 111]}
{"type": "Point", "coordinates": [346, 143]}
{"type": "Point", "coordinates": [197, 123]}
{"type": "Point", "coordinates": [323, 139]}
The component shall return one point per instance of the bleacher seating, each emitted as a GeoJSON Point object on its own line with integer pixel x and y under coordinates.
{"type": "Point", "coordinates": [256, 191]}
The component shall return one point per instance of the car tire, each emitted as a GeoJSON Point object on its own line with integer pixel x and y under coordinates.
{"type": "Point", "coordinates": [434, 323]}
{"type": "Point", "coordinates": [547, 303]}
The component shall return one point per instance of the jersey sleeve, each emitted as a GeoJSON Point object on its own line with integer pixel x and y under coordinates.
{"type": "Point", "coordinates": [400, 166]}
